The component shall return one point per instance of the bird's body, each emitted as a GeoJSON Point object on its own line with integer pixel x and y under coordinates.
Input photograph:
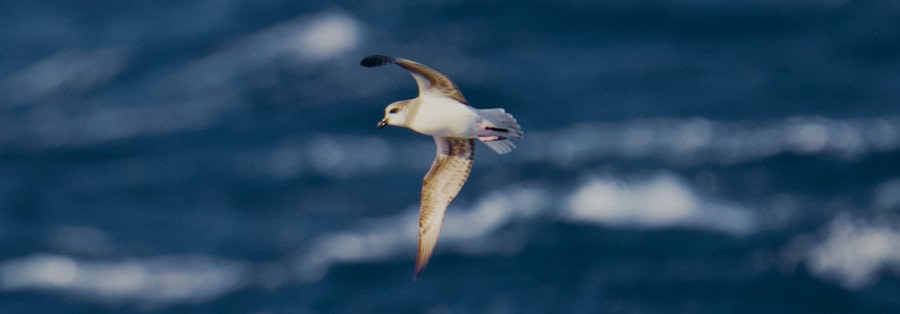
{"type": "Point", "coordinates": [441, 116]}
{"type": "Point", "coordinates": [441, 111]}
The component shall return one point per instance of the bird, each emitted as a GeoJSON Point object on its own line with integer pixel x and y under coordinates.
{"type": "Point", "coordinates": [441, 111]}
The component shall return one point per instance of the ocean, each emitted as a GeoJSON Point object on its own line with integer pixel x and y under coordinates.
{"type": "Point", "coordinates": [221, 156]}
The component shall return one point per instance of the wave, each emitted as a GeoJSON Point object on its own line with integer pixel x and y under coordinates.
{"type": "Point", "coordinates": [391, 237]}
{"type": "Point", "coordinates": [852, 252]}
{"type": "Point", "coordinates": [153, 282]}
{"type": "Point", "coordinates": [673, 141]}
{"type": "Point", "coordinates": [662, 201]}
{"type": "Point", "coordinates": [856, 247]}
{"type": "Point", "coordinates": [64, 72]}
{"type": "Point", "coordinates": [194, 95]}
{"type": "Point", "coordinates": [700, 140]}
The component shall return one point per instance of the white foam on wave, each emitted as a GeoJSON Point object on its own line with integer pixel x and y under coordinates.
{"type": "Point", "coordinates": [380, 241]}
{"type": "Point", "coordinates": [463, 231]}
{"type": "Point", "coordinates": [484, 226]}
{"type": "Point", "coordinates": [157, 281]}
{"type": "Point", "coordinates": [327, 36]}
{"type": "Point", "coordinates": [855, 253]}
{"type": "Point", "coordinates": [194, 96]}
{"type": "Point", "coordinates": [66, 71]}
{"type": "Point", "coordinates": [311, 38]}
{"type": "Point", "coordinates": [699, 140]}
{"type": "Point", "coordinates": [660, 202]}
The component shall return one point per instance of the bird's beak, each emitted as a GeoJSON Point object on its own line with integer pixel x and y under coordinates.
{"type": "Point", "coordinates": [382, 123]}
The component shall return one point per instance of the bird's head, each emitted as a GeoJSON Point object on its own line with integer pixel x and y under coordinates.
{"type": "Point", "coordinates": [395, 114]}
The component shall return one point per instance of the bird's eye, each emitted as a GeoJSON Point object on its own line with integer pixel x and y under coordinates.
{"type": "Point", "coordinates": [393, 110]}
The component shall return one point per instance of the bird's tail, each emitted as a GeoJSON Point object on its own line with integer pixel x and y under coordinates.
{"type": "Point", "coordinates": [497, 129]}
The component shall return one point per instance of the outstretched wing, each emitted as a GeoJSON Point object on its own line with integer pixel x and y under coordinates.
{"type": "Point", "coordinates": [447, 175]}
{"type": "Point", "coordinates": [428, 79]}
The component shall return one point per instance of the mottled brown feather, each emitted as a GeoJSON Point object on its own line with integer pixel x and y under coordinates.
{"type": "Point", "coordinates": [430, 80]}
{"type": "Point", "coordinates": [446, 177]}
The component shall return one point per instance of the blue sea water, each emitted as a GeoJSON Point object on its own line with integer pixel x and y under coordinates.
{"type": "Point", "coordinates": [222, 157]}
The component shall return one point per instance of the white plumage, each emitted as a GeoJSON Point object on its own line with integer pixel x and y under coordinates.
{"type": "Point", "coordinates": [441, 111]}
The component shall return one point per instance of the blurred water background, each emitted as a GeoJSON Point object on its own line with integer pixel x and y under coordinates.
{"type": "Point", "coordinates": [221, 156]}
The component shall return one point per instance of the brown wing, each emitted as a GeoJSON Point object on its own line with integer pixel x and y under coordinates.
{"type": "Point", "coordinates": [429, 80]}
{"type": "Point", "coordinates": [447, 175]}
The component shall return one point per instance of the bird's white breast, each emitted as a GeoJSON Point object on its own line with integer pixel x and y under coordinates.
{"type": "Point", "coordinates": [442, 116]}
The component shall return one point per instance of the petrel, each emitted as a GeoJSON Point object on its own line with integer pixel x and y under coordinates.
{"type": "Point", "coordinates": [442, 112]}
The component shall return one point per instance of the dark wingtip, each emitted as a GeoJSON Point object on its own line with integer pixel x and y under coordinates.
{"type": "Point", "coordinates": [376, 60]}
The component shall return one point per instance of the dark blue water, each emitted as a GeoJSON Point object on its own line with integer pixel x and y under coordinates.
{"type": "Point", "coordinates": [222, 156]}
